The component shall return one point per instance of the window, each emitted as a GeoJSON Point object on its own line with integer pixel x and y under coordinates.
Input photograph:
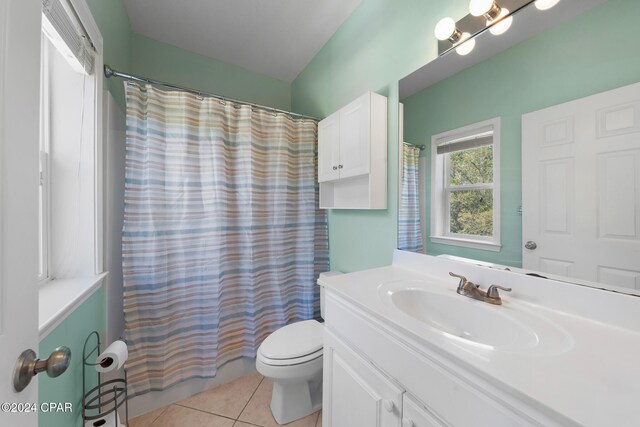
{"type": "Point", "coordinates": [69, 147]}
{"type": "Point", "coordinates": [465, 189]}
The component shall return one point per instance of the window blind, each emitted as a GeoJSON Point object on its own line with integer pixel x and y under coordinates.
{"type": "Point", "coordinates": [60, 17]}
{"type": "Point", "coordinates": [465, 144]}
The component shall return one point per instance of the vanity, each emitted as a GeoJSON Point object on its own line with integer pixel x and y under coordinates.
{"type": "Point", "coordinates": [403, 348]}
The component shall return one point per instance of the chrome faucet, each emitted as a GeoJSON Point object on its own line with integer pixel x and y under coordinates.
{"type": "Point", "coordinates": [471, 290]}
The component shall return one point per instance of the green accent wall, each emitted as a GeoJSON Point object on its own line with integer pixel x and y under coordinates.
{"type": "Point", "coordinates": [113, 21]}
{"type": "Point", "coordinates": [381, 42]}
{"type": "Point", "coordinates": [71, 333]}
{"type": "Point", "coordinates": [168, 63]}
{"type": "Point", "coordinates": [595, 52]}
{"type": "Point", "coordinates": [132, 53]}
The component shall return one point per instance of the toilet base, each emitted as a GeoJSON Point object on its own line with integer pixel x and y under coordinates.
{"type": "Point", "coordinates": [290, 402]}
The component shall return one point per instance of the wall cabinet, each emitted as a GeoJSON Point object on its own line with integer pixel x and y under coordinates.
{"type": "Point", "coordinates": [352, 155]}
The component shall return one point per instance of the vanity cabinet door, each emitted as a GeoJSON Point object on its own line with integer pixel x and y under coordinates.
{"type": "Point", "coordinates": [329, 148]}
{"type": "Point", "coordinates": [356, 394]}
{"type": "Point", "coordinates": [415, 415]}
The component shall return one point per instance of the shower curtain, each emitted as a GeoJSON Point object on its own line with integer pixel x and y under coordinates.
{"type": "Point", "coordinates": [222, 240]}
{"type": "Point", "coordinates": [409, 225]}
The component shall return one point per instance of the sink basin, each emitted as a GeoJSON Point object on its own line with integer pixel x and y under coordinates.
{"type": "Point", "coordinates": [477, 323]}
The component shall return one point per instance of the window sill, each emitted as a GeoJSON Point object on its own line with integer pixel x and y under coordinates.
{"type": "Point", "coordinates": [59, 298]}
{"type": "Point", "coordinates": [467, 243]}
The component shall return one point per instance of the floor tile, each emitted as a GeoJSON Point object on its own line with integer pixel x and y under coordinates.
{"type": "Point", "coordinates": [147, 419]}
{"type": "Point", "coordinates": [319, 422]}
{"type": "Point", "coordinates": [241, 424]}
{"type": "Point", "coordinates": [179, 416]}
{"type": "Point", "coordinates": [227, 399]}
{"type": "Point", "coordinates": [258, 411]}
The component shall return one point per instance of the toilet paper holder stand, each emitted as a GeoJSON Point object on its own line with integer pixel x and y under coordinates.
{"type": "Point", "coordinates": [108, 396]}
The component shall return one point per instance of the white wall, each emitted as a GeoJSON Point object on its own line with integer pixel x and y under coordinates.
{"type": "Point", "coordinates": [115, 150]}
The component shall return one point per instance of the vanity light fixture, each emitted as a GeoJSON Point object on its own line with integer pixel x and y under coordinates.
{"type": "Point", "coordinates": [498, 18]}
{"type": "Point", "coordinates": [483, 15]}
{"type": "Point", "coordinates": [546, 4]}
{"type": "Point", "coordinates": [466, 45]}
{"type": "Point", "coordinates": [446, 30]}
{"type": "Point", "coordinates": [502, 23]}
{"type": "Point", "coordinates": [488, 8]}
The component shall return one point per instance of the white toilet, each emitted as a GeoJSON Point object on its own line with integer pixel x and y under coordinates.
{"type": "Point", "coordinates": [291, 357]}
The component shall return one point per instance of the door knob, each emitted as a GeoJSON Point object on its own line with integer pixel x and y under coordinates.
{"type": "Point", "coordinates": [389, 405]}
{"type": "Point", "coordinates": [339, 166]}
{"type": "Point", "coordinates": [28, 366]}
{"type": "Point", "coordinates": [335, 168]}
{"type": "Point", "coordinates": [531, 245]}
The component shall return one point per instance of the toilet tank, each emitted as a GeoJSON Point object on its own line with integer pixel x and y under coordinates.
{"type": "Point", "coordinates": [323, 275]}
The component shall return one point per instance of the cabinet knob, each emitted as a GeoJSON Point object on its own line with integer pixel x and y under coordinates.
{"type": "Point", "coordinates": [335, 168]}
{"type": "Point", "coordinates": [339, 166]}
{"type": "Point", "coordinates": [407, 422]}
{"type": "Point", "coordinates": [388, 405]}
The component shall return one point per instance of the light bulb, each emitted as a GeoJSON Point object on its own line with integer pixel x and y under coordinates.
{"type": "Point", "coordinates": [466, 44]}
{"type": "Point", "coordinates": [502, 24]}
{"type": "Point", "coordinates": [546, 4]}
{"type": "Point", "coordinates": [480, 7]}
{"type": "Point", "coordinates": [445, 28]}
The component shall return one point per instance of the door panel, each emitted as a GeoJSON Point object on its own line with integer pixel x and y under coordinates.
{"type": "Point", "coordinates": [19, 154]}
{"type": "Point", "coordinates": [581, 188]}
{"type": "Point", "coordinates": [414, 415]}
{"type": "Point", "coordinates": [329, 148]}
{"type": "Point", "coordinates": [356, 394]}
{"type": "Point", "coordinates": [354, 138]}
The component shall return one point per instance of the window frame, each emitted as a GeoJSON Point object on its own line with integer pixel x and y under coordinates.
{"type": "Point", "coordinates": [441, 190]}
{"type": "Point", "coordinates": [83, 16]}
{"type": "Point", "coordinates": [44, 274]}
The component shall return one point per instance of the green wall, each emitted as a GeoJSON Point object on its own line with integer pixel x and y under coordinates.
{"type": "Point", "coordinates": [164, 62]}
{"type": "Point", "coordinates": [71, 333]}
{"type": "Point", "coordinates": [594, 52]}
{"type": "Point", "coordinates": [381, 42]}
{"type": "Point", "coordinates": [113, 21]}
{"type": "Point", "coordinates": [132, 53]}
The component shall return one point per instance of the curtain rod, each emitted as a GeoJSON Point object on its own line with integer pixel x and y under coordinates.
{"type": "Point", "coordinates": [110, 72]}
{"type": "Point", "coordinates": [421, 147]}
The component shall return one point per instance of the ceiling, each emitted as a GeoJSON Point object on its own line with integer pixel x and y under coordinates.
{"type": "Point", "coordinates": [276, 38]}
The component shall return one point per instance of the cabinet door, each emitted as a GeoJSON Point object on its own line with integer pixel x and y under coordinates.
{"type": "Point", "coordinates": [415, 415]}
{"type": "Point", "coordinates": [329, 148]}
{"type": "Point", "coordinates": [356, 394]}
{"type": "Point", "coordinates": [355, 129]}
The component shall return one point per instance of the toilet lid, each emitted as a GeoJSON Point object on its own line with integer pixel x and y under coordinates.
{"type": "Point", "coordinates": [293, 341]}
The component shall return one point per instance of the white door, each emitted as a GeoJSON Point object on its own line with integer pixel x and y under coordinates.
{"type": "Point", "coordinates": [355, 394]}
{"type": "Point", "coordinates": [355, 139]}
{"type": "Point", "coordinates": [329, 148]}
{"type": "Point", "coordinates": [581, 188]}
{"type": "Point", "coordinates": [19, 151]}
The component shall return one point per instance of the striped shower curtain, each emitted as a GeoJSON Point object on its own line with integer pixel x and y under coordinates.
{"type": "Point", "coordinates": [222, 240]}
{"type": "Point", "coordinates": [409, 225]}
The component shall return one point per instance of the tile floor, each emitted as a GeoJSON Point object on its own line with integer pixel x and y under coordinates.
{"type": "Point", "coordinates": [240, 403]}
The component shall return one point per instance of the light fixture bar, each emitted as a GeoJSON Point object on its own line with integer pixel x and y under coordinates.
{"type": "Point", "coordinates": [474, 25]}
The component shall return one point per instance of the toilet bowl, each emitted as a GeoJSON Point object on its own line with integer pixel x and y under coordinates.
{"type": "Point", "coordinates": [291, 358]}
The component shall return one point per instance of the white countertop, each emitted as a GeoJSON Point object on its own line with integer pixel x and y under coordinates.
{"type": "Point", "coordinates": [594, 380]}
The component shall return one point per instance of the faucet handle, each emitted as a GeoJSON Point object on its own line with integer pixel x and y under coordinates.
{"type": "Point", "coordinates": [492, 292]}
{"type": "Point", "coordinates": [463, 280]}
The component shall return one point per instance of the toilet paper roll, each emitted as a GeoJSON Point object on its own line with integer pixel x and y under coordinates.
{"type": "Point", "coordinates": [106, 421]}
{"type": "Point", "coordinates": [113, 357]}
